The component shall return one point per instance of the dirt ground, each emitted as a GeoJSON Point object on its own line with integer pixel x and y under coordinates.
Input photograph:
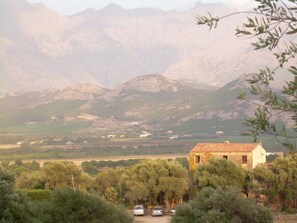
{"type": "Point", "coordinates": [150, 219]}
{"type": "Point", "coordinates": [78, 162]}
{"type": "Point", "coordinates": [167, 219]}
{"type": "Point", "coordinates": [279, 218]}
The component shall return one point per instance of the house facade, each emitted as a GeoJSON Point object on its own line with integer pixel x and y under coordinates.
{"type": "Point", "coordinates": [246, 155]}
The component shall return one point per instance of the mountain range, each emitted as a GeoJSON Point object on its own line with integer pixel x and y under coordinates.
{"type": "Point", "coordinates": [41, 49]}
{"type": "Point", "coordinates": [150, 104]}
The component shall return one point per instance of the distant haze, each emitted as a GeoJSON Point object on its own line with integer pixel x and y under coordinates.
{"type": "Point", "coordinates": [69, 7]}
{"type": "Point", "coordinates": [41, 49]}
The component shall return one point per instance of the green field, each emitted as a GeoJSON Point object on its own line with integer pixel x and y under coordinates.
{"type": "Point", "coordinates": [104, 148]}
{"type": "Point", "coordinates": [42, 129]}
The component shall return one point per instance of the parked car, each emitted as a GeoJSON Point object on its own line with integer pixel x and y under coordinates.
{"type": "Point", "coordinates": [139, 210]}
{"type": "Point", "coordinates": [157, 211]}
{"type": "Point", "coordinates": [172, 212]}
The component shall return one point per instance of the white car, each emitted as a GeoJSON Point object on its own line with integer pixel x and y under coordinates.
{"type": "Point", "coordinates": [172, 212]}
{"type": "Point", "coordinates": [157, 211]}
{"type": "Point", "coordinates": [139, 210]}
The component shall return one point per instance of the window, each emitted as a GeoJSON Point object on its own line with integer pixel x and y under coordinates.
{"type": "Point", "coordinates": [225, 157]}
{"type": "Point", "coordinates": [244, 159]}
{"type": "Point", "coordinates": [197, 158]}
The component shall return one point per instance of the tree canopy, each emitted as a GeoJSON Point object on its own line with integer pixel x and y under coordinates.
{"type": "Point", "coordinates": [64, 205]}
{"type": "Point", "coordinates": [219, 173]}
{"type": "Point", "coordinates": [107, 183]}
{"type": "Point", "coordinates": [14, 207]}
{"type": "Point", "coordinates": [76, 206]}
{"type": "Point", "coordinates": [61, 175]}
{"type": "Point", "coordinates": [221, 205]}
{"type": "Point", "coordinates": [150, 179]}
{"type": "Point", "coordinates": [279, 181]}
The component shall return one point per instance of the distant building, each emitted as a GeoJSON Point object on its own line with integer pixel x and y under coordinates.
{"type": "Point", "coordinates": [145, 134]}
{"type": "Point", "coordinates": [246, 155]}
{"type": "Point", "coordinates": [220, 133]}
{"type": "Point", "coordinates": [173, 137]}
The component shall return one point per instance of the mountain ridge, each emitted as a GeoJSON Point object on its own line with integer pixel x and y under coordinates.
{"type": "Point", "coordinates": [163, 106]}
{"type": "Point", "coordinates": [41, 49]}
{"type": "Point", "coordinates": [168, 106]}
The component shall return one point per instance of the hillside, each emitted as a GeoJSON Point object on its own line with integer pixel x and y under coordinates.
{"type": "Point", "coordinates": [152, 104]}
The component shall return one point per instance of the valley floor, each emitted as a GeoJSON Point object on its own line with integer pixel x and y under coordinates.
{"type": "Point", "coordinates": [78, 162]}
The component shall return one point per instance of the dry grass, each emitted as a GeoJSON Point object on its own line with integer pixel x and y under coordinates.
{"type": "Point", "coordinates": [9, 146]}
{"type": "Point", "coordinates": [79, 161]}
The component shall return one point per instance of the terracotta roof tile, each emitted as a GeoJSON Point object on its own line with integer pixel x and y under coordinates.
{"type": "Point", "coordinates": [224, 147]}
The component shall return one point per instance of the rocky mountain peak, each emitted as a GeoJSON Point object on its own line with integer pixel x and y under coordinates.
{"type": "Point", "coordinates": [79, 92]}
{"type": "Point", "coordinates": [113, 6]}
{"type": "Point", "coordinates": [112, 9]}
{"type": "Point", "coordinates": [152, 83]}
{"type": "Point", "coordinates": [41, 49]}
{"type": "Point", "coordinates": [86, 88]}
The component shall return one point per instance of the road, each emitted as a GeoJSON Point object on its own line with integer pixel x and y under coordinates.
{"type": "Point", "coordinates": [150, 219]}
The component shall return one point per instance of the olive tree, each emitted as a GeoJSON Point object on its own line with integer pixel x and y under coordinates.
{"type": "Point", "coordinates": [279, 181]}
{"type": "Point", "coordinates": [107, 183]}
{"type": "Point", "coordinates": [219, 173]}
{"type": "Point", "coordinates": [14, 207]}
{"type": "Point", "coordinates": [77, 206]}
{"type": "Point", "coordinates": [221, 205]}
{"type": "Point", "coordinates": [154, 181]}
{"type": "Point", "coordinates": [61, 175]}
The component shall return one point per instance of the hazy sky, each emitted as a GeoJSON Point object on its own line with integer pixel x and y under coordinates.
{"type": "Point", "coordinates": [67, 7]}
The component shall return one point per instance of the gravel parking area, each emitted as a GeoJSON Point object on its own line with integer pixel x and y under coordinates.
{"type": "Point", "coordinates": [150, 219]}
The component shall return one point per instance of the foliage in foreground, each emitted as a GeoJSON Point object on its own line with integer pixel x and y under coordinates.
{"type": "Point", "coordinates": [279, 181]}
{"type": "Point", "coordinates": [76, 206]}
{"type": "Point", "coordinates": [14, 207]}
{"type": "Point", "coordinates": [221, 205]}
{"type": "Point", "coordinates": [63, 206]}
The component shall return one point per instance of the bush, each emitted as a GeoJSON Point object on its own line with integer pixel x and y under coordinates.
{"type": "Point", "coordinates": [76, 206]}
{"type": "Point", "coordinates": [37, 195]}
{"type": "Point", "coordinates": [224, 206]}
{"type": "Point", "coordinates": [14, 207]}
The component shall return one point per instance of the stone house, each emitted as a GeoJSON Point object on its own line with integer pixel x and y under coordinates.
{"type": "Point", "coordinates": [246, 155]}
